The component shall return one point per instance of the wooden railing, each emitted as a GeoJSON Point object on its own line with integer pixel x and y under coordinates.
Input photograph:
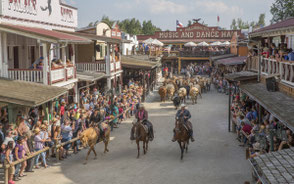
{"type": "Point", "coordinates": [270, 66]}
{"type": "Point", "coordinates": [284, 69]}
{"type": "Point", "coordinates": [70, 72]}
{"type": "Point", "coordinates": [117, 66]}
{"type": "Point", "coordinates": [58, 75]}
{"type": "Point", "coordinates": [98, 67]}
{"type": "Point", "coordinates": [26, 75]}
{"type": "Point", "coordinates": [111, 67]}
{"type": "Point", "coordinates": [252, 63]}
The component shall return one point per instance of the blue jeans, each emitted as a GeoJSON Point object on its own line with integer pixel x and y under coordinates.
{"type": "Point", "coordinates": [43, 156]}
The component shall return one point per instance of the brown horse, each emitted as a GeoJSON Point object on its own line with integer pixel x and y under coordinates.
{"type": "Point", "coordinates": [90, 137]}
{"type": "Point", "coordinates": [141, 134]}
{"type": "Point", "coordinates": [182, 135]}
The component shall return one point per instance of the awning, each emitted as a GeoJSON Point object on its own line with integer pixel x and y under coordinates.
{"type": "Point", "coordinates": [277, 103]}
{"type": "Point", "coordinates": [89, 76]}
{"type": "Point", "coordinates": [275, 167]}
{"type": "Point", "coordinates": [43, 34]}
{"type": "Point", "coordinates": [27, 93]}
{"type": "Point", "coordinates": [222, 57]}
{"type": "Point", "coordinates": [279, 28]}
{"type": "Point", "coordinates": [129, 62]}
{"type": "Point", "coordinates": [94, 37]}
{"type": "Point", "coordinates": [241, 76]}
{"type": "Point", "coordinates": [232, 61]}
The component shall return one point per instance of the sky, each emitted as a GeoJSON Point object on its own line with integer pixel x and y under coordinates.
{"type": "Point", "coordinates": [164, 13]}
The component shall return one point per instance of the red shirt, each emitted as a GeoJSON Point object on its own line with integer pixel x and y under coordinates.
{"type": "Point", "coordinates": [247, 129]}
{"type": "Point", "coordinates": [62, 110]}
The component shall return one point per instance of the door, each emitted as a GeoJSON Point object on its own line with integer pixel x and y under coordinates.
{"type": "Point", "coordinates": [15, 57]}
{"type": "Point", "coordinates": [32, 54]}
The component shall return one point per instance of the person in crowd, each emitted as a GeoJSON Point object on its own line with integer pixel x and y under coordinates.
{"type": "Point", "coordinates": [57, 140]}
{"type": "Point", "coordinates": [66, 133]}
{"type": "Point", "coordinates": [9, 160]}
{"type": "Point", "coordinates": [19, 153]}
{"type": "Point", "coordinates": [37, 63]}
{"type": "Point", "coordinates": [39, 145]}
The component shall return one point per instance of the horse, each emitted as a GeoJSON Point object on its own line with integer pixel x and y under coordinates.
{"type": "Point", "coordinates": [141, 134]}
{"type": "Point", "coordinates": [90, 137]}
{"type": "Point", "coordinates": [162, 92]}
{"type": "Point", "coordinates": [194, 93]}
{"type": "Point", "coordinates": [182, 94]}
{"type": "Point", "coordinates": [182, 135]}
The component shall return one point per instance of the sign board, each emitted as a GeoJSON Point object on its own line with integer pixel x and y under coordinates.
{"type": "Point", "coordinates": [50, 12]}
{"type": "Point", "coordinates": [194, 32]}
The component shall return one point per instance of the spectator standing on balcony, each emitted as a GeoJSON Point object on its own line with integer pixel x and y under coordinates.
{"type": "Point", "coordinates": [36, 63]}
{"type": "Point", "coordinates": [274, 50]}
{"type": "Point", "coordinates": [291, 55]}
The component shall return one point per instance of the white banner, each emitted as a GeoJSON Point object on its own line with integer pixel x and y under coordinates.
{"type": "Point", "coordinates": [49, 12]}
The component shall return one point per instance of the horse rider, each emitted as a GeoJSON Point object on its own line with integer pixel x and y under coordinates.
{"type": "Point", "coordinates": [142, 115]}
{"type": "Point", "coordinates": [96, 121]}
{"type": "Point", "coordinates": [187, 115]}
{"type": "Point", "coordinates": [176, 100]}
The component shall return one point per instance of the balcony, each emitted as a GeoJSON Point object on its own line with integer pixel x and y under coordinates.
{"type": "Point", "coordinates": [26, 75]}
{"type": "Point", "coordinates": [59, 74]}
{"type": "Point", "coordinates": [97, 66]}
{"type": "Point", "coordinates": [284, 69]}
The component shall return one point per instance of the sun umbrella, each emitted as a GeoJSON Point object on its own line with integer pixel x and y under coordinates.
{"type": "Point", "coordinates": [218, 43]}
{"type": "Point", "coordinates": [157, 42]}
{"type": "Point", "coordinates": [190, 44]}
{"type": "Point", "coordinates": [203, 44]}
{"type": "Point", "coordinates": [148, 41]}
{"type": "Point", "coordinates": [226, 43]}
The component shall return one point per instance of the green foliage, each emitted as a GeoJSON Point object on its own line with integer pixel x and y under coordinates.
{"type": "Point", "coordinates": [281, 10]}
{"type": "Point", "coordinates": [132, 26]}
{"type": "Point", "coordinates": [240, 24]}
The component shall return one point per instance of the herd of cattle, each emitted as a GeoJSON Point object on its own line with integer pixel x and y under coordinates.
{"type": "Point", "coordinates": [178, 89]}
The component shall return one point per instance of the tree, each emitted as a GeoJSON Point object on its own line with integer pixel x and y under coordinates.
{"type": "Point", "coordinates": [234, 25]}
{"type": "Point", "coordinates": [261, 20]}
{"type": "Point", "coordinates": [281, 10]}
{"type": "Point", "coordinates": [106, 20]}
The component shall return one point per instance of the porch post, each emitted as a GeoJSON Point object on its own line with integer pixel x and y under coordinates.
{"type": "Point", "coordinates": [229, 117]}
{"type": "Point", "coordinates": [5, 55]}
{"type": "Point", "coordinates": [1, 57]}
{"type": "Point", "coordinates": [45, 65]}
{"type": "Point", "coordinates": [107, 62]}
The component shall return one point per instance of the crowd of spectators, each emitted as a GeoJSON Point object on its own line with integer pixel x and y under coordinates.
{"type": "Point", "coordinates": [260, 133]}
{"type": "Point", "coordinates": [280, 53]}
{"type": "Point", "coordinates": [32, 131]}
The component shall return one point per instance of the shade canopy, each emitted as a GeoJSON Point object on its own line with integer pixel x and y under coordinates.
{"type": "Point", "coordinates": [218, 43]}
{"type": "Point", "coordinates": [157, 43]}
{"type": "Point", "coordinates": [148, 41]}
{"type": "Point", "coordinates": [226, 43]}
{"type": "Point", "coordinates": [202, 44]}
{"type": "Point", "coordinates": [190, 44]}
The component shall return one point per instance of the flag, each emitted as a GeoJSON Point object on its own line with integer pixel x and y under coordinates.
{"type": "Point", "coordinates": [179, 24]}
{"type": "Point", "coordinates": [218, 19]}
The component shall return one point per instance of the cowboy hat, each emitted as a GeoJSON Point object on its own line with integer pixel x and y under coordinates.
{"type": "Point", "coordinates": [183, 105]}
{"type": "Point", "coordinates": [37, 130]}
